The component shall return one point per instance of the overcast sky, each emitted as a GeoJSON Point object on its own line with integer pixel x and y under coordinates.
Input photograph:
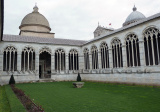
{"type": "Point", "coordinates": [76, 19]}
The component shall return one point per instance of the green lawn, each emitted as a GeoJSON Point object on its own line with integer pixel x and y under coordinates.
{"type": "Point", "coordinates": [4, 104]}
{"type": "Point", "coordinates": [9, 101]}
{"type": "Point", "coordinates": [93, 97]}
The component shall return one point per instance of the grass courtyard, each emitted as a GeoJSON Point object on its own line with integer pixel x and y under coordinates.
{"type": "Point", "coordinates": [93, 97]}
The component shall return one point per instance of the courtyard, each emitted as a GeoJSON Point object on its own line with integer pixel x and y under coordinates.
{"type": "Point", "coordinates": [93, 97]}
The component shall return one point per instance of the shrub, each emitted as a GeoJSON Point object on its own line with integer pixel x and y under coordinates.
{"type": "Point", "coordinates": [78, 77]}
{"type": "Point", "coordinates": [12, 81]}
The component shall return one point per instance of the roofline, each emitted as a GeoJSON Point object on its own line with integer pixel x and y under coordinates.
{"type": "Point", "coordinates": [2, 19]}
{"type": "Point", "coordinates": [43, 43]}
{"type": "Point", "coordinates": [125, 27]}
{"type": "Point", "coordinates": [79, 45]}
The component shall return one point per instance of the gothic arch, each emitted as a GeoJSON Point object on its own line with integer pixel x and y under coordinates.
{"type": "Point", "coordinates": [116, 46]}
{"type": "Point", "coordinates": [152, 46]}
{"type": "Point", "coordinates": [104, 55]}
{"type": "Point", "coordinates": [9, 46]}
{"type": "Point", "coordinates": [45, 49]}
{"type": "Point", "coordinates": [86, 58]}
{"type": "Point", "coordinates": [10, 58]}
{"type": "Point", "coordinates": [59, 59]}
{"type": "Point", "coordinates": [132, 50]}
{"type": "Point", "coordinates": [94, 53]}
{"type": "Point", "coordinates": [28, 58]}
{"type": "Point", "coordinates": [73, 60]}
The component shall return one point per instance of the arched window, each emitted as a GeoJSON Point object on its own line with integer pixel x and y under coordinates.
{"type": "Point", "coordinates": [104, 55]}
{"type": "Point", "coordinates": [28, 59]}
{"type": "Point", "coordinates": [86, 58]}
{"type": "Point", "coordinates": [59, 60]}
{"type": "Point", "coordinates": [10, 59]}
{"type": "Point", "coordinates": [152, 46]}
{"type": "Point", "coordinates": [73, 60]}
{"type": "Point", "coordinates": [117, 53]}
{"type": "Point", "coordinates": [132, 50]}
{"type": "Point", "coordinates": [94, 52]}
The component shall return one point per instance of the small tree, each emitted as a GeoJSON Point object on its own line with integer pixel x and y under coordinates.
{"type": "Point", "coordinates": [12, 81]}
{"type": "Point", "coordinates": [78, 77]}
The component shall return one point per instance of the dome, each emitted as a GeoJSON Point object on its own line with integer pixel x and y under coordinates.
{"type": "Point", "coordinates": [35, 19]}
{"type": "Point", "coordinates": [134, 17]}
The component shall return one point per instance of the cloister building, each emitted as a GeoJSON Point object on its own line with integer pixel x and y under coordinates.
{"type": "Point", "coordinates": [130, 54]}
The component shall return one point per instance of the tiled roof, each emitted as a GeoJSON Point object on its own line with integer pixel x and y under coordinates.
{"type": "Point", "coordinates": [56, 41]}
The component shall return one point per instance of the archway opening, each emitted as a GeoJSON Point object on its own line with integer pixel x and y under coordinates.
{"type": "Point", "coordinates": [45, 65]}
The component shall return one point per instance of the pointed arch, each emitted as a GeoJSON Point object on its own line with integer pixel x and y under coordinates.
{"type": "Point", "coordinates": [132, 50]}
{"type": "Point", "coordinates": [94, 52]}
{"type": "Point", "coordinates": [104, 55]}
{"type": "Point", "coordinates": [86, 58]}
{"type": "Point", "coordinates": [59, 60]}
{"type": "Point", "coordinates": [10, 59]}
{"type": "Point", "coordinates": [73, 60]}
{"type": "Point", "coordinates": [28, 59]}
{"type": "Point", "coordinates": [116, 46]}
{"type": "Point", "coordinates": [152, 46]}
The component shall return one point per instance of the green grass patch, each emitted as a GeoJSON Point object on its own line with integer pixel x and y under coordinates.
{"type": "Point", "coordinates": [15, 104]}
{"type": "Point", "coordinates": [93, 97]}
{"type": "Point", "coordinates": [4, 104]}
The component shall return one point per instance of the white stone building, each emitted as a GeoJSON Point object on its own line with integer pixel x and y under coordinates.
{"type": "Point", "coordinates": [130, 54]}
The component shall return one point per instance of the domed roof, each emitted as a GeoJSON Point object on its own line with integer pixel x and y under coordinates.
{"type": "Point", "coordinates": [134, 17]}
{"type": "Point", "coordinates": [35, 18]}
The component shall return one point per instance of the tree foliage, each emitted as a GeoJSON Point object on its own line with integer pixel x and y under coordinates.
{"type": "Point", "coordinates": [12, 81]}
{"type": "Point", "coordinates": [78, 77]}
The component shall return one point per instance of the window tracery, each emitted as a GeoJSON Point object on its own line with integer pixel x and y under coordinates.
{"type": "Point", "coordinates": [132, 50]}
{"type": "Point", "coordinates": [73, 60]}
{"type": "Point", "coordinates": [104, 55]}
{"type": "Point", "coordinates": [28, 59]}
{"type": "Point", "coordinates": [86, 58]}
{"type": "Point", "coordinates": [152, 46]}
{"type": "Point", "coordinates": [117, 53]}
{"type": "Point", "coordinates": [59, 60]}
{"type": "Point", "coordinates": [10, 59]}
{"type": "Point", "coordinates": [94, 52]}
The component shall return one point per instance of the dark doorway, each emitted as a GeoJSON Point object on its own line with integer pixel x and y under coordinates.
{"type": "Point", "coordinates": [45, 65]}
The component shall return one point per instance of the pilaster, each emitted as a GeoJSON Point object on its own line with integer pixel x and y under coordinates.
{"type": "Point", "coordinates": [1, 61]}
{"type": "Point", "coordinates": [67, 62]}
{"type": "Point", "coordinates": [81, 62]}
{"type": "Point", "coordinates": [124, 57]}
{"type": "Point", "coordinates": [52, 63]}
{"type": "Point", "coordinates": [141, 53]}
{"type": "Point", "coordinates": [37, 63]}
{"type": "Point", "coordinates": [90, 61]}
{"type": "Point", "coordinates": [19, 61]}
{"type": "Point", "coordinates": [99, 60]}
{"type": "Point", "coordinates": [110, 59]}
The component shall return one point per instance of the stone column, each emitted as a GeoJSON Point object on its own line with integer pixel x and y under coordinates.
{"type": "Point", "coordinates": [52, 63]}
{"type": "Point", "coordinates": [90, 61]}
{"type": "Point", "coordinates": [99, 60]}
{"type": "Point", "coordinates": [67, 62]}
{"type": "Point", "coordinates": [110, 58]}
{"type": "Point", "coordinates": [1, 61]}
{"type": "Point", "coordinates": [124, 57]}
{"type": "Point", "coordinates": [37, 63]}
{"type": "Point", "coordinates": [141, 53]}
{"type": "Point", "coordinates": [19, 61]}
{"type": "Point", "coordinates": [81, 62]}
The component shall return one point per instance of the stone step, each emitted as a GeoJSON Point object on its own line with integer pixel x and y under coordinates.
{"type": "Point", "coordinates": [46, 80]}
